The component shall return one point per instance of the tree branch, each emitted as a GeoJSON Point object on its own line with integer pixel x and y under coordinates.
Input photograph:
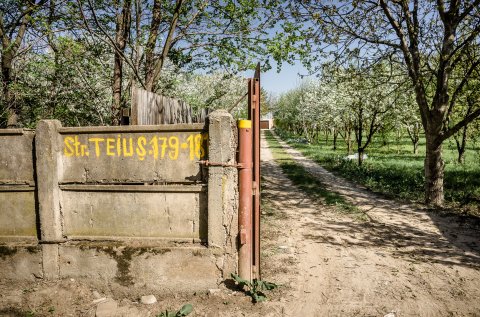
{"type": "Point", "coordinates": [459, 88]}
{"type": "Point", "coordinates": [168, 40]}
{"type": "Point", "coordinates": [469, 118]}
{"type": "Point", "coordinates": [109, 40]}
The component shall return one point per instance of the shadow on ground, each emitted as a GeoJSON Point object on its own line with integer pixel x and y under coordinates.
{"type": "Point", "coordinates": [413, 234]}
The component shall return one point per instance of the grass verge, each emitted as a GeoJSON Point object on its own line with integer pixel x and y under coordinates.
{"type": "Point", "coordinates": [309, 184]}
{"type": "Point", "coordinates": [394, 171]}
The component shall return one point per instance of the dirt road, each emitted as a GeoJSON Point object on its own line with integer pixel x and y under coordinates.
{"type": "Point", "coordinates": [402, 262]}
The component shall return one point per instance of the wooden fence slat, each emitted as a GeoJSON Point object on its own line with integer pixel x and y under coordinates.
{"type": "Point", "coordinates": [151, 109]}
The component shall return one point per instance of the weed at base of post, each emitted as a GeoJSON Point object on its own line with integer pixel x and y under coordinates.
{"type": "Point", "coordinates": [184, 311]}
{"type": "Point", "coordinates": [255, 288]}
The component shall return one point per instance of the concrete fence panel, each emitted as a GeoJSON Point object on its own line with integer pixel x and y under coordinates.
{"type": "Point", "coordinates": [130, 204]}
{"type": "Point", "coordinates": [135, 211]}
{"type": "Point", "coordinates": [17, 185]}
{"type": "Point", "coordinates": [137, 182]}
{"type": "Point", "coordinates": [20, 254]}
{"type": "Point", "coordinates": [133, 154]}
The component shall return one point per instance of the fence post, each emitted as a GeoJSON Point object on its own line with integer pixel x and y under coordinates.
{"type": "Point", "coordinates": [47, 149]}
{"type": "Point", "coordinates": [245, 178]}
{"type": "Point", "coordinates": [222, 188]}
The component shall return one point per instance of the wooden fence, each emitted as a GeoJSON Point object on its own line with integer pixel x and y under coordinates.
{"type": "Point", "coordinates": [149, 108]}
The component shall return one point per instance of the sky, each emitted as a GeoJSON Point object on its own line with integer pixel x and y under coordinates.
{"type": "Point", "coordinates": [288, 78]}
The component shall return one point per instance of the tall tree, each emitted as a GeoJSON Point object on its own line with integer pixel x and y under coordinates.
{"type": "Point", "coordinates": [15, 19]}
{"type": "Point", "coordinates": [122, 31]}
{"type": "Point", "coordinates": [154, 65]}
{"type": "Point", "coordinates": [190, 34]}
{"type": "Point", "coordinates": [429, 38]}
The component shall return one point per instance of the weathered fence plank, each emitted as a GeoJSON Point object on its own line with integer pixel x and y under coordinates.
{"type": "Point", "coordinates": [149, 108]}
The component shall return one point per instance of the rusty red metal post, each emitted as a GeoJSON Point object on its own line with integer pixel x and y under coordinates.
{"type": "Point", "coordinates": [254, 116]}
{"type": "Point", "coordinates": [256, 178]}
{"type": "Point", "coordinates": [245, 200]}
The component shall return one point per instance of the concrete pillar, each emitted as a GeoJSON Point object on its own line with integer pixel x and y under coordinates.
{"type": "Point", "coordinates": [222, 182]}
{"type": "Point", "coordinates": [47, 149]}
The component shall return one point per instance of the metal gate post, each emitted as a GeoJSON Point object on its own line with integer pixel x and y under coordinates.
{"type": "Point", "coordinates": [256, 179]}
{"type": "Point", "coordinates": [245, 199]}
{"type": "Point", "coordinates": [254, 115]}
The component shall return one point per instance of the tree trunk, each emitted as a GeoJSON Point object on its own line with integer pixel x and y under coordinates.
{"type": "Point", "coordinates": [335, 136]}
{"type": "Point", "coordinates": [434, 172]}
{"type": "Point", "coordinates": [461, 144]}
{"type": "Point", "coordinates": [415, 147]}
{"type": "Point", "coordinates": [121, 37]}
{"type": "Point", "coordinates": [117, 89]}
{"type": "Point", "coordinates": [414, 135]}
{"type": "Point", "coordinates": [359, 135]}
{"type": "Point", "coordinates": [11, 41]}
{"type": "Point", "coordinates": [398, 141]}
{"type": "Point", "coordinates": [349, 143]}
{"type": "Point", "coordinates": [384, 138]}
{"type": "Point", "coordinates": [152, 77]}
{"type": "Point", "coordinates": [461, 156]}
{"type": "Point", "coordinates": [315, 137]}
{"type": "Point", "coordinates": [12, 111]}
{"type": "Point", "coordinates": [360, 156]}
{"type": "Point", "coordinates": [52, 102]}
{"type": "Point", "coordinates": [151, 44]}
{"type": "Point", "coordinates": [305, 131]}
{"type": "Point", "coordinates": [359, 148]}
{"type": "Point", "coordinates": [348, 139]}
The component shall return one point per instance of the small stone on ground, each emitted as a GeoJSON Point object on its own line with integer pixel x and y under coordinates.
{"type": "Point", "coordinates": [107, 308]}
{"type": "Point", "coordinates": [148, 299]}
{"type": "Point", "coordinates": [214, 291]}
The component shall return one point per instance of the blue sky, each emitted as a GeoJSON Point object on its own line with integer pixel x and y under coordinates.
{"type": "Point", "coordinates": [288, 78]}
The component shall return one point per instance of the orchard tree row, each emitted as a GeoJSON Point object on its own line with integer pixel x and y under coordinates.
{"type": "Point", "coordinates": [433, 44]}
{"type": "Point", "coordinates": [77, 60]}
{"type": "Point", "coordinates": [355, 104]}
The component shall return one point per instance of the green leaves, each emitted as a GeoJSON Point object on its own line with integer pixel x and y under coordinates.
{"type": "Point", "coordinates": [184, 311]}
{"type": "Point", "coordinates": [255, 288]}
{"type": "Point", "coordinates": [240, 281]}
{"type": "Point", "coordinates": [264, 285]}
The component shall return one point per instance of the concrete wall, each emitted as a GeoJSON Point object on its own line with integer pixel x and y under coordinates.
{"type": "Point", "coordinates": [157, 154]}
{"type": "Point", "coordinates": [17, 185]}
{"type": "Point", "coordinates": [127, 204]}
{"type": "Point", "coordinates": [132, 181]}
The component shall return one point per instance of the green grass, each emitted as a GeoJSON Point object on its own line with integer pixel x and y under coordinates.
{"type": "Point", "coordinates": [308, 183]}
{"type": "Point", "coordinates": [393, 170]}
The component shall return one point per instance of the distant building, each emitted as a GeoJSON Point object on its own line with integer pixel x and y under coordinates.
{"type": "Point", "coordinates": [266, 122]}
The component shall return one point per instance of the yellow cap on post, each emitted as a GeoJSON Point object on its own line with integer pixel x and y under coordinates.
{"type": "Point", "coordinates": [245, 124]}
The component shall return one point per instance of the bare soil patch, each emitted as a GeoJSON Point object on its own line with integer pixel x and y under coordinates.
{"type": "Point", "coordinates": [71, 297]}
